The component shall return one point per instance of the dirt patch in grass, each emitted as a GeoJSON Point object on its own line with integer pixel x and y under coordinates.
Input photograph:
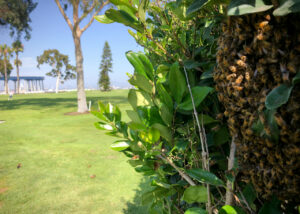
{"type": "Point", "coordinates": [3, 190]}
{"type": "Point", "coordinates": [76, 113]}
{"type": "Point", "coordinates": [2, 121]}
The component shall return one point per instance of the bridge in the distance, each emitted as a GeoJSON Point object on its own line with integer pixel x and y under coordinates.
{"type": "Point", "coordinates": [27, 83]}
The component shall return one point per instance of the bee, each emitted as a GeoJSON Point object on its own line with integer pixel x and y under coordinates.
{"type": "Point", "coordinates": [233, 69]}
{"type": "Point", "coordinates": [239, 80]}
{"type": "Point", "coordinates": [277, 35]}
{"type": "Point", "coordinates": [221, 97]}
{"type": "Point", "coordinates": [269, 185]}
{"type": "Point", "coordinates": [242, 57]}
{"type": "Point", "coordinates": [260, 36]}
{"type": "Point", "coordinates": [247, 49]}
{"type": "Point", "coordinates": [230, 76]}
{"type": "Point", "coordinates": [263, 24]}
{"type": "Point", "coordinates": [247, 76]}
{"type": "Point", "coordinates": [269, 143]}
{"type": "Point", "coordinates": [279, 120]}
{"type": "Point", "coordinates": [284, 72]}
{"type": "Point", "coordinates": [291, 67]}
{"type": "Point", "coordinates": [268, 17]}
{"type": "Point", "coordinates": [238, 88]}
{"type": "Point", "coordinates": [241, 63]}
{"type": "Point", "coordinates": [249, 132]}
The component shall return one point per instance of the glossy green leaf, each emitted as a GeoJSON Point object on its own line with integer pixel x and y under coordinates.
{"type": "Point", "coordinates": [142, 10]}
{"type": "Point", "coordinates": [137, 126]}
{"type": "Point", "coordinates": [104, 126]}
{"type": "Point", "coordinates": [161, 72]}
{"type": "Point", "coordinates": [103, 19]}
{"type": "Point", "coordinates": [149, 115]}
{"type": "Point", "coordinates": [141, 82]}
{"type": "Point", "coordinates": [221, 136]}
{"type": "Point", "coordinates": [249, 194]}
{"type": "Point", "coordinates": [117, 113]}
{"type": "Point", "coordinates": [205, 177]}
{"type": "Point", "coordinates": [119, 145]}
{"type": "Point", "coordinates": [191, 64]}
{"type": "Point", "coordinates": [206, 119]}
{"type": "Point", "coordinates": [133, 115]}
{"type": "Point", "coordinates": [160, 184]}
{"type": "Point", "coordinates": [241, 7]}
{"type": "Point", "coordinates": [151, 136]}
{"type": "Point", "coordinates": [195, 210]}
{"type": "Point", "coordinates": [271, 207]}
{"type": "Point", "coordinates": [165, 114]}
{"type": "Point", "coordinates": [195, 194]}
{"type": "Point", "coordinates": [177, 82]}
{"type": "Point", "coordinates": [139, 98]}
{"type": "Point", "coordinates": [206, 75]}
{"type": "Point", "coordinates": [138, 65]}
{"type": "Point", "coordinates": [227, 209]}
{"type": "Point", "coordinates": [286, 7]}
{"type": "Point", "coordinates": [165, 97]}
{"type": "Point", "coordinates": [197, 5]}
{"type": "Point", "coordinates": [123, 17]}
{"type": "Point", "coordinates": [199, 93]}
{"type": "Point", "coordinates": [164, 131]}
{"type": "Point", "coordinates": [148, 67]}
{"type": "Point", "coordinates": [125, 3]}
{"type": "Point", "coordinates": [99, 115]}
{"type": "Point", "coordinates": [296, 79]}
{"type": "Point", "coordinates": [278, 96]}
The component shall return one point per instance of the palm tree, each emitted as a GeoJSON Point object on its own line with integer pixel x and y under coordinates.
{"type": "Point", "coordinates": [17, 48]}
{"type": "Point", "coordinates": [5, 52]}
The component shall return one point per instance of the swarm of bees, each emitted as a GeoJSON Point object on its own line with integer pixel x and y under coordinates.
{"type": "Point", "coordinates": [257, 53]}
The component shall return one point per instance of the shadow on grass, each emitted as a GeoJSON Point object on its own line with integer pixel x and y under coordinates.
{"type": "Point", "coordinates": [37, 103]}
{"type": "Point", "coordinates": [136, 206]}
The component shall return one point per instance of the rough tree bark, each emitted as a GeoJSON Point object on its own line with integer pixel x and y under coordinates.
{"type": "Point", "coordinates": [76, 33]}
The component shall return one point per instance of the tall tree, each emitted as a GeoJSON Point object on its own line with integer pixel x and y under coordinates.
{"type": "Point", "coordinates": [16, 15]}
{"type": "Point", "coordinates": [61, 69]}
{"type": "Point", "coordinates": [105, 67]}
{"type": "Point", "coordinates": [81, 9]}
{"type": "Point", "coordinates": [5, 52]}
{"type": "Point", "coordinates": [17, 48]}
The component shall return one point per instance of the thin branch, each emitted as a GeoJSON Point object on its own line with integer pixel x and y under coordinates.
{"type": "Point", "coordinates": [229, 195]}
{"type": "Point", "coordinates": [92, 19]}
{"type": "Point", "coordinates": [205, 157]}
{"type": "Point", "coordinates": [182, 174]}
{"type": "Point", "coordinates": [64, 14]}
{"type": "Point", "coordinates": [88, 11]}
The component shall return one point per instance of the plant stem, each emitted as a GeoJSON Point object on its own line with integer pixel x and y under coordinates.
{"type": "Point", "coordinates": [229, 195]}
{"type": "Point", "coordinates": [205, 156]}
{"type": "Point", "coordinates": [182, 174]}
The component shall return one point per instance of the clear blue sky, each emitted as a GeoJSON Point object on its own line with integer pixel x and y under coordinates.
{"type": "Point", "coordinates": [50, 31]}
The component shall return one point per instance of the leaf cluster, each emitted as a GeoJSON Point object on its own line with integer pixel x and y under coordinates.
{"type": "Point", "coordinates": [16, 14]}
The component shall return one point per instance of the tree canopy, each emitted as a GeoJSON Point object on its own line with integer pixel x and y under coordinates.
{"type": "Point", "coordinates": [9, 67]}
{"type": "Point", "coordinates": [16, 15]}
{"type": "Point", "coordinates": [105, 68]}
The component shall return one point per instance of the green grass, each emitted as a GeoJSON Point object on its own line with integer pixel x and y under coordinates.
{"type": "Point", "coordinates": [58, 154]}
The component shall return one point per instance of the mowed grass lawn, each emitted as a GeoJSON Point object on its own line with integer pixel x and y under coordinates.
{"type": "Point", "coordinates": [66, 163]}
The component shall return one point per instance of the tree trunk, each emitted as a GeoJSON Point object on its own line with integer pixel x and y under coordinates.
{"type": "Point", "coordinates": [57, 82]}
{"type": "Point", "coordinates": [5, 77]}
{"type": "Point", "coordinates": [18, 76]}
{"type": "Point", "coordinates": [81, 98]}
